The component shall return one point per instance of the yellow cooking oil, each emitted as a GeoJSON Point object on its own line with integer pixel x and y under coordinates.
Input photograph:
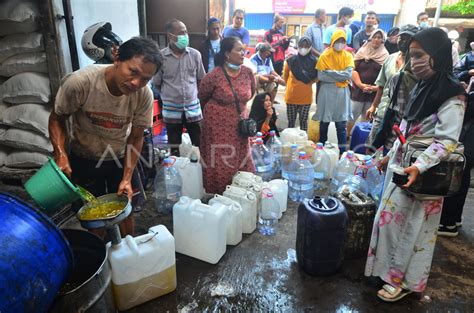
{"type": "Point", "coordinates": [86, 195]}
{"type": "Point", "coordinates": [100, 210]}
{"type": "Point", "coordinates": [145, 289]}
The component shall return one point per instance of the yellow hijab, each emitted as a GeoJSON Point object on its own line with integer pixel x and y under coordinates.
{"type": "Point", "coordinates": [334, 60]}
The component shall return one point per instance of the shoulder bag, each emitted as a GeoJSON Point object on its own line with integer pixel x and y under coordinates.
{"type": "Point", "coordinates": [246, 127]}
{"type": "Point", "coordinates": [441, 180]}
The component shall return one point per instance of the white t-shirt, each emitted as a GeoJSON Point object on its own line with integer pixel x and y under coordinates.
{"type": "Point", "coordinates": [101, 122]}
{"type": "Point", "coordinates": [216, 47]}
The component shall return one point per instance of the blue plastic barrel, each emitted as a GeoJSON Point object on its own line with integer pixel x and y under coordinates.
{"type": "Point", "coordinates": [35, 257]}
{"type": "Point", "coordinates": [359, 136]}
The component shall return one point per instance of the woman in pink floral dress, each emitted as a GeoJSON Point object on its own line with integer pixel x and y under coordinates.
{"type": "Point", "coordinates": [405, 227]}
{"type": "Point", "coordinates": [223, 151]}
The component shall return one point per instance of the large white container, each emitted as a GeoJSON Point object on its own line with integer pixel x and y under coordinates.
{"type": "Point", "coordinates": [143, 268]}
{"type": "Point", "coordinates": [186, 148]}
{"type": "Point", "coordinates": [248, 202]}
{"type": "Point", "coordinates": [191, 177]}
{"type": "Point", "coordinates": [333, 151]}
{"type": "Point", "coordinates": [233, 218]}
{"type": "Point", "coordinates": [293, 135]}
{"type": "Point", "coordinates": [279, 188]}
{"type": "Point", "coordinates": [199, 229]}
{"type": "Point", "coordinates": [250, 182]}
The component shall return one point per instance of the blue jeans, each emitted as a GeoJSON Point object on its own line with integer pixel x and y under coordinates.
{"type": "Point", "coordinates": [340, 130]}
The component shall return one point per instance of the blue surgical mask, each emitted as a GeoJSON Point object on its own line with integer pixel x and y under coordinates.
{"type": "Point", "coordinates": [424, 25]}
{"type": "Point", "coordinates": [233, 67]}
{"type": "Point", "coordinates": [182, 41]}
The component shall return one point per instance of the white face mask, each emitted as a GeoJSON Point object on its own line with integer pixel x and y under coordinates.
{"type": "Point", "coordinates": [347, 21]}
{"type": "Point", "coordinates": [339, 46]}
{"type": "Point", "coordinates": [303, 51]}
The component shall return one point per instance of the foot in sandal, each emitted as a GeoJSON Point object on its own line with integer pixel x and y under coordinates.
{"type": "Point", "coordinates": [389, 293]}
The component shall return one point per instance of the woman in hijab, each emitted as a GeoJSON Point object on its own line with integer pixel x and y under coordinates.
{"type": "Point", "coordinates": [300, 74]}
{"type": "Point", "coordinates": [405, 227]}
{"type": "Point", "coordinates": [368, 62]}
{"type": "Point", "coordinates": [264, 114]}
{"type": "Point", "coordinates": [333, 99]}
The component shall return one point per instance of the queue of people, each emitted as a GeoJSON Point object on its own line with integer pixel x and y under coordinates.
{"type": "Point", "coordinates": [206, 91]}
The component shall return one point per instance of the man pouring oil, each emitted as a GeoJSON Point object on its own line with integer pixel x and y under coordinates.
{"type": "Point", "coordinates": [110, 106]}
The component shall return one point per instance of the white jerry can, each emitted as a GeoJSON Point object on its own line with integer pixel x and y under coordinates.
{"type": "Point", "coordinates": [199, 229]}
{"type": "Point", "coordinates": [279, 188]}
{"type": "Point", "coordinates": [190, 171]}
{"type": "Point", "coordinates": [250, 182]}
{"type": "Point", "coordinates": [143, 268]}
{"type": "Point", "coordinates": [293, 135]}
{"type": "Point", "coordinates": [248, 202]}
{"type": "Point", "coordinates": [233, 218]}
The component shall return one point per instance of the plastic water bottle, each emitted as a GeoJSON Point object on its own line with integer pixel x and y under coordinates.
{"type": "Point", "coordinates": [321, 164]}
{"type": "Point", "coordinates": [374, 180]}
{"type": "Point", "coordinates": [292, 156]}
{"type": "Point", "coordinates": [352, 183]}
{"type": "Point", "coordinates": [168, 185]}
{"type": "Point", "coordinates": [345, 167]}
{"type": "Point", "coordinates": [263, 160]}
{"type": "Point", "coordinates": [268, 215]}
{"type": "Point", "coordinates": [274, 145]}
{"type": "Point", "coordinates": [301, 180]}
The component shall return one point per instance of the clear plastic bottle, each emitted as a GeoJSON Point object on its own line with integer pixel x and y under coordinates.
{"type": "Point", "coordinates": [352, 183]}
{"type": "Point", "coordinates": [345, 167]}
{"type": "Point", "coordinates": [374, 180]}
{"type": "Point", "coordinates": [321, 164]}
{"type": "Point", "coordinates": [263, 160]}
{"type": "Point", "coordinates": [268, 215]}
{"type": "Point", "coordinates": [167, 186]}
{"type": "Point", "coordinates": [291, 156]}
{"type": "Point", "coordinates": [274, 145]}
{"type": "Point", "coordinates": [301, 179]}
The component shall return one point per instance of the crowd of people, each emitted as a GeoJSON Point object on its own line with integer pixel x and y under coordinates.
{"type": "Point", "coordinates": [404, 77]}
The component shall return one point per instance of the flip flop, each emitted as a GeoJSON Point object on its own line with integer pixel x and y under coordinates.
{"type": "Point", "coordinates": [396, 293]}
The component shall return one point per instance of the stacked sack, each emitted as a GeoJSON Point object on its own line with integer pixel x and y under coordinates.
{"type": "Point", "coordinates": [25, 91]}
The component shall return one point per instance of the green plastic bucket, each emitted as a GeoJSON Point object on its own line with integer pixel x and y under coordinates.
{"type": "Point", "coordinates": [50, 188]}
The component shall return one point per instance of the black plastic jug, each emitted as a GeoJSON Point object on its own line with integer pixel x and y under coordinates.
{"type": "Point", "coordinates": [320, 235]}
{"type": "Point", "coordinates": [361, 211]}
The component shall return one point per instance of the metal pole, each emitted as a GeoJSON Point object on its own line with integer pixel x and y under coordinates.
{"type": "Point", "coordinates": [438, 13]}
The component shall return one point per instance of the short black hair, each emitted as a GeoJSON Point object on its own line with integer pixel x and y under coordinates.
{"type": "Point", "coordinates": [169, 26]}
{"type": "Point", "coordinates": [227, 44]}
{"type": "Point", "coordinates": [319, 12]}
{"type": "Point", "coordinates": [420, 15]}
{"type": "Point", "coordinates": [345, 11]}
{"type": "Point", "coordinates": [238, 11]}
{"type": "Point", "coordinates": [373, 13]}
{"type": "Point", "coordinates": [144, 47]}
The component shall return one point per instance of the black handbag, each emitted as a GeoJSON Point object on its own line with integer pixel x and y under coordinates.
{"type": "Point", "coordinates": [389, 118]}
{"type": "Point", "coordinates": [246, 127]}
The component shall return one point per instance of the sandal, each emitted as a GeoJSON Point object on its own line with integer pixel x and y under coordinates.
{"type": "Point", "coordinates": [395, 293]}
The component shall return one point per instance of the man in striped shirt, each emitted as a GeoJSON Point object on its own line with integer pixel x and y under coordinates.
{"type": "Point", "coordinates": [177, 82]}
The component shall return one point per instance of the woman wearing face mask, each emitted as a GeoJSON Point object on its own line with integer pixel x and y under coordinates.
{"type": "Point", "coordinates": [392, 65]}
{"type": "Point", "coordinates": [300, 73]}
{"type": "Point", "coordinates": [333, 102]}
{"type": "Point", "coordinates": [405, 227]}
{"type": "Point", "coordinates": [391, 42]}
{"type": "Point", "coordinates": [368, 62]}
{"type": "Point", "coordinates": [264, 114]}
{"type": "Point", "coordinates": [223, 151]}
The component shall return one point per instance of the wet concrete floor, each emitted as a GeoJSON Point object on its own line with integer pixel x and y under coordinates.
{"type": "Point", "coordinates": [261, 274]}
